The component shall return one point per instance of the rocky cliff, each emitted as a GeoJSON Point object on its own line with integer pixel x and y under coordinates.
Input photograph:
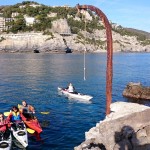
{"type": "Point", "coordinates": [127, 127]}
{"type": "Point", "coordinates": [27, 42]}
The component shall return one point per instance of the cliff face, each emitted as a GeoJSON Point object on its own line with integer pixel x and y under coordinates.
{"type": "Point", "coordinates": [27, 42]}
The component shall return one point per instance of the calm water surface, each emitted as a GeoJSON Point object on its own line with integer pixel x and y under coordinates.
{"type": "Point", "coordinates": [35, 78]}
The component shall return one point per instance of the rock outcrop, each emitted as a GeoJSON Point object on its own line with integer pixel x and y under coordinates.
{"type": "Point", "coordinates": [127, 127]}
{"type": "Point", "coordinates": [61, 26]}
{"type": "Point", "coordinates": [136, 91]}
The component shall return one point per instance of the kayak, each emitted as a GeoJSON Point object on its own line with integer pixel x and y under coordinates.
{"type": "Point", "coordinates": [77, 96]}
{"type": "Point", "coordinates": [34, 124]}
{"type": "Point", "coordinates": [5, 144]}
{"type": "Point", "coordinates": [20, 133]}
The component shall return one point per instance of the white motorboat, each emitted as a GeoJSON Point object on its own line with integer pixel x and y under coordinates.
{"type": "Point", "coordinates": [76, 96]}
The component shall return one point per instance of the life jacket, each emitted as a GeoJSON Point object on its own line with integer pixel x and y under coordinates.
{"type": "Point", "coordinates": [3, 125]}
{"type": "Point", "coordinates": [3, 128]}
{"type": "Point", "coordinates": [31, 108]}
{"type": "Point", "coordinates": [15, 116]}
{"type": "Point", "coordinates": [25, 109]}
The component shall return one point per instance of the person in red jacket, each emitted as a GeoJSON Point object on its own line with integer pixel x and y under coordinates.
{"type": "Point", "coordinates": [4, 127]}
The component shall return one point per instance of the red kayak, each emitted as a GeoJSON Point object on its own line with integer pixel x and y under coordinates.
{"type": "Point", "coordinates": [34, 124]}
{"type": "Point", "coordinates": [31, 121]}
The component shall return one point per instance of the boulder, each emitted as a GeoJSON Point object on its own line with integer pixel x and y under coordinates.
{"type": "Point", "coordinates": [137, 91]}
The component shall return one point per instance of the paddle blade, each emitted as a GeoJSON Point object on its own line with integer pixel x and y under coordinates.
{"type": "Point", "coordinates": [19, 106]}
{"type": "Point", "coordinates": [6, 114]}
{"type": "Point", "coordinates": [45, 113]}
{"type": "Point", "coordinates": [31, 131]}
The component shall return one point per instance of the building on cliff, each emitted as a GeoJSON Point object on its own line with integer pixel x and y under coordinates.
{"type": "Point", "coordinates": [3, 23]}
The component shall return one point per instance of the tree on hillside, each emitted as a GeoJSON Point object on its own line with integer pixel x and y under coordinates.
{"type": "Point", "coordinates": [18, 25]}
{"type": "Point", "coordinates": [7, 12]}
{"type": "Point", "coordinates": [28, 2]}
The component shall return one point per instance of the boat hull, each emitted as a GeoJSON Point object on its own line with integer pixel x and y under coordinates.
{"type": "Point", "coordinates": [20, 133]}
{"type": "Point", "coordinates": [34, 124]}
{"type": "Point", "coordinates": [6, 144]}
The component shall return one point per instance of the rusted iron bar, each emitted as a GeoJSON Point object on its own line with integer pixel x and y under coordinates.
{"type": "Point", "coordinates": [109, 69]}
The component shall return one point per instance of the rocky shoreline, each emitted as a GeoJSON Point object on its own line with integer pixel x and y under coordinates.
{"type": "Point", "coordinates": [61, 52]}
{"type": "Point", "coordinates": [126, 127]}
{"type": "Point", "coordinates": [28, 42]}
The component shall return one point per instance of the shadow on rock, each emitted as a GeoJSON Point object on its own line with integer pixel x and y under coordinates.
{"type": "Point", "coordinates": [128, 139]}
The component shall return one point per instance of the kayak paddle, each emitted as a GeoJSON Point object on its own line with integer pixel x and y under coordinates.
{"type": "Point", "coordinates": [45, 113]}
{"type": "Point", "coordinates": [42, 112]}
{"type": "Point", "coordinates": [31, 131]}
{"type": "Point", "coordinates": [6, 113]}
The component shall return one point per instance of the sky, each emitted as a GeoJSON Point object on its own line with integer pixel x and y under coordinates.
{"type": "Point", "coordinates": [127, 13]}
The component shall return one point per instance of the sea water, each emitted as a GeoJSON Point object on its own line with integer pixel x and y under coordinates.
{"type": "Point", "coordinates": [35, 78]}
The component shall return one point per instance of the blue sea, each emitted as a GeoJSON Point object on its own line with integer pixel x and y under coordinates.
{"type": "Point", "coordinates": [35, 78]}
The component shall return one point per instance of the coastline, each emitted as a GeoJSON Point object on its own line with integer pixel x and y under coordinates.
{"type": "Point", "coordinates": [28, 42]}
{"type": "Point", "coordinates": [63, 52]}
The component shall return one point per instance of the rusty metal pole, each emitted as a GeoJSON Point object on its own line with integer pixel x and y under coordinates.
{"type": "Point", "coordinates": [109, 69]}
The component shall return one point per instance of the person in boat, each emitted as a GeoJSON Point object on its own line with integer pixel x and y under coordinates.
{"type": "Point", "coordinates": [4, 127]}
{"type": "Point", "coordinates": [71, 89]}
{"type": "Point", "coordinates": [16, 117]}
{"type": "Point", "coordinates": [27, 110]}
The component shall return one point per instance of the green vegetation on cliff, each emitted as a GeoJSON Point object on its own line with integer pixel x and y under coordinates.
{"type": "Point", "coordinates": [44, 18]}
{"type": "Point", "coordinates": [43, 21]}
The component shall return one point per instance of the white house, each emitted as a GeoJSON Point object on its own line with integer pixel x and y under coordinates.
{"type": "Point", "coordinates": [29, 20]}
{"type": "Point", "coordinates": [34, 5]}
{"type": "Point", "coordinates": [14, 14]}
{"type": "Point", "coordinates": [3, 21]}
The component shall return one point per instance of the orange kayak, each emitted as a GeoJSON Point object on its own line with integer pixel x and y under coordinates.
{"type": "Point", "coordinates": [34, 124]}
